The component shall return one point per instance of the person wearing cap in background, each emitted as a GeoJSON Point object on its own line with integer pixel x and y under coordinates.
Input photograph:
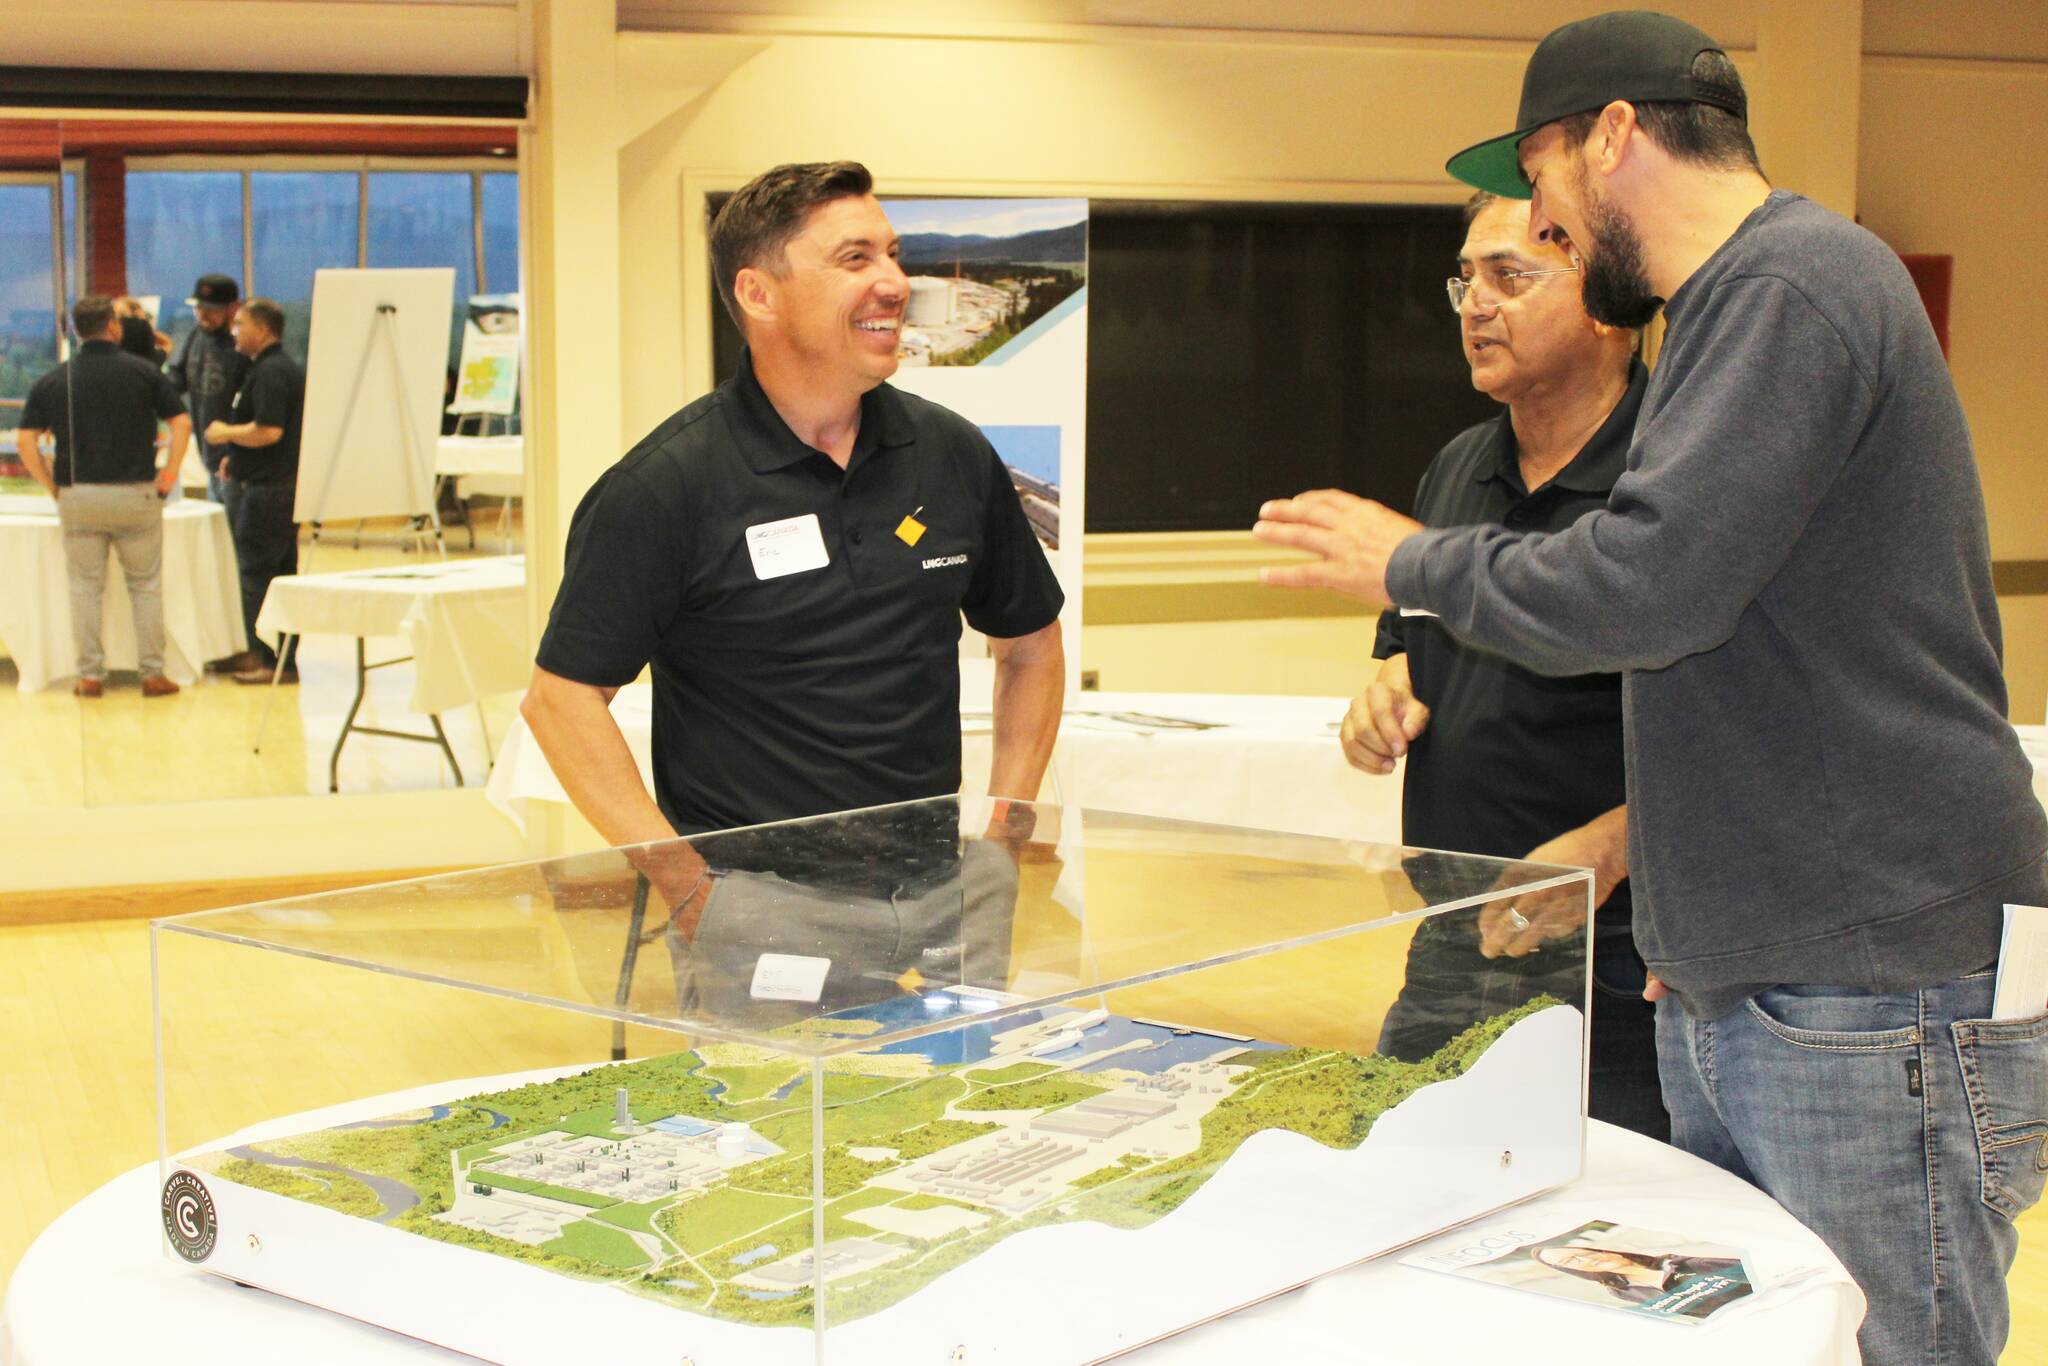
{"type": "Point", "coordinates": [102, 406]}
{"type": "Point", "coordinates": [1827, 806]}
{"type": "Point", "coordinates": [208, 370]}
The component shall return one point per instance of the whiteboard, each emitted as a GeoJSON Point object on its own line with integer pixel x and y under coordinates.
{"type": "Point", "coordinates": [355, 459]}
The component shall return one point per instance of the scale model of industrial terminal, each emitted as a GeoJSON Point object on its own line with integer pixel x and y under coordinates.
{"type": "Point", "coordinates": [689, 1178]}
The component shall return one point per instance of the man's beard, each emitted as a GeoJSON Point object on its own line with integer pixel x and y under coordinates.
{"type": "Point", "coordinates": [1615, 286]}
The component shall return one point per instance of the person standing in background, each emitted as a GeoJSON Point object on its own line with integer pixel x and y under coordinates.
{"type": "Point", "coordinates": [208, 370]}
{"type": "Point", "coordinates": [102, 406]}
{"type": "Point", "coordinates": [261, 475]}
{"type": "Point", "coordinates": [1501, 760]}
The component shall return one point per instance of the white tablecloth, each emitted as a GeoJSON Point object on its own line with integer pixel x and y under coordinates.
{"type": "Point", "coordinates": [464, 619]}
{"type": "Point", "coordinates": [95, 1288]}
{"type": "Point", "coordinates": [491, 465]}
{"type": "Point", "coordinates": [202, 598]}
{"type": "Point", "coordinates": [1268, 763]}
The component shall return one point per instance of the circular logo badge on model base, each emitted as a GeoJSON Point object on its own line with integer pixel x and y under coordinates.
{"type": "Point", "coordinates": [189, 1220]}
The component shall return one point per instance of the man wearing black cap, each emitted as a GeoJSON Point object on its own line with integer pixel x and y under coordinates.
{"type": "Point", "coordinates": [1827, 807]}
{"type": "Point", "coordinates": [208, 370]}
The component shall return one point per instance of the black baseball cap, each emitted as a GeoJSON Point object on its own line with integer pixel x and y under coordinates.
{"type": "Point", "coordinates": [1632, 55]}
{"type": "Point", "coordinates": [214, 291]}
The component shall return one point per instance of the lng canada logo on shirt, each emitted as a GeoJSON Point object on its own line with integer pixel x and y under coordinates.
{"type": "Point", "coordinates": [944, 561]}
{"type": "Point", "coordinates": [189, 1220]}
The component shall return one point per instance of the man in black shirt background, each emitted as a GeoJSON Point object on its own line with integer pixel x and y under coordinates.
{"type": "Point", "coordinates": [261, 475]}
{"type": "Point", "coordinates": [1501, 760]}
{"type": "Point", "coordinates": [793, 553]}
{"type": "Point", "coordinates": [208, 370]}
{"type": "Point", "coordinates": [102, 406]}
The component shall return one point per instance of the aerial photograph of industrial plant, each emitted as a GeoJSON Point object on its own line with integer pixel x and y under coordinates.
{"type": "Point", "coordinates": [1032, 455]}
{"type": "Point", "coordinates": [690, 1178]}
{"type": "Point", "coordinates": [983, 272]}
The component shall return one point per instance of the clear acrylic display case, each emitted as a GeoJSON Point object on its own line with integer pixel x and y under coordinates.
{"type": "Point", "coordinates": [947, 1081]}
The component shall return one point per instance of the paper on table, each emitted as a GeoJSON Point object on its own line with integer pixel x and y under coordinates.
{"type": "Point", "coordinates": [2022, 964]}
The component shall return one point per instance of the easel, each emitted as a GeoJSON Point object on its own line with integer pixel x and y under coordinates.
{"type": "Point", "coordinates": [382, 327]}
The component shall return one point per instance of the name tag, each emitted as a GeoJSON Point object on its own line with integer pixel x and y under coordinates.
{"type": "Point", "coordinates": [789, 977]}
{"type": "Point", "coordinates": [790, 546]}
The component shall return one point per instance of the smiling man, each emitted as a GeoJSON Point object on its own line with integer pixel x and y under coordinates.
{"type": "Point", "coordinates": [1827, 806]}
{"type": "Point", "coordinates": [793, 554]}
{"type": "Point", "coordinates": [1501, 760]}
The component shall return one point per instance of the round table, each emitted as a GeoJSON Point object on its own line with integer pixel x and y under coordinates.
{"type": "Point", "coordinates": [201, 594]}
{"type": "Point", "coordinates": [95, 1287]}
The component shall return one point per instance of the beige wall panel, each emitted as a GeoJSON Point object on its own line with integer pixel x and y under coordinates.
{"type": "Point", "coordinates": [1299, 656]}
{"type": "Point", "coordinates": [1950, 158]}
{"type": "Point", "coordinates": [2000, 30]}
{"type": "Point", "coordinates": [1210, 120]}
{"type": "Point", "coordinates": [1733, 22]}
{"type": "Point", "coordinates": [187, 842]}
{"type": "Point", "coordinates": [459, 39]}
{"type": "Point", "coordinates": [2026, 658]}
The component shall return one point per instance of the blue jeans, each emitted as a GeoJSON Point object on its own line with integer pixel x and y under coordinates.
{"type": "Point", "coordinates": [1904, 1128]}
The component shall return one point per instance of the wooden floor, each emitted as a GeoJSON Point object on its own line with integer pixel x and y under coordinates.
{"type": "Point", "coordinates": [77, 1080]}
{"type": "Point", "coordinates": [117, 750]}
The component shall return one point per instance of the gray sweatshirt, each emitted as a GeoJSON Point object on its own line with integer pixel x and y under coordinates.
{"type": "Point", "coordinates": [1794, 577]}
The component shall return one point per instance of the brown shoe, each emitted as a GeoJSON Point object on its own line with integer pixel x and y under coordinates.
{"type": "Point", "coordinates": [156, 685]}
{"type": "Point", "coordinates": [261, 677]}
{"type": "Point", "coordinates": [88, 687]}
{"type": "Point", "coordinates": [234, 663]}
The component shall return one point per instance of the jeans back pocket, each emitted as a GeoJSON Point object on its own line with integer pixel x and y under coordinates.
{"type": "Point", "coordinates": [2005, 1075]}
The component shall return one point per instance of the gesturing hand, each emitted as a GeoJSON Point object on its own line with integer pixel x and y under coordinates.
{"type": "Point", "coordinates": [1354, 538]}
{"type": "Point", "coordinates": [1383, 720]}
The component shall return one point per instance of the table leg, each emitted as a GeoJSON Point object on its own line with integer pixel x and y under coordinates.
{"type": "Point", "coordinates": [349, 726]}
{"type": "Point", "coordinates": [348, 722]}
{"type": "Point", "coordinates": [627, 962]}
{"type": "Point", "coordinates": [490, 759]}
{"type": "Point", "coordinates": [285, 640]}
{"type": "Point", "coordinates": [446, 748]}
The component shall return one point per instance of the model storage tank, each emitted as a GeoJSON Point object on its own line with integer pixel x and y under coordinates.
{"type": "Point", "coordinates": [931, 301]}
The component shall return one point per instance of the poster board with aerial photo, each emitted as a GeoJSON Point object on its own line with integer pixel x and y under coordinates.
{"type": "Point", "coordinates": [997, 330]}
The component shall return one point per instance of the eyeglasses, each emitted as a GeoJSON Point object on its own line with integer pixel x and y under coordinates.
{"type": "Point", "coordinates": [1505, 284]}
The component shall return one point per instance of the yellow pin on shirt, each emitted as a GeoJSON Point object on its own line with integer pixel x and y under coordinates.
{"type": "Point", "coordinates": [910, 531]}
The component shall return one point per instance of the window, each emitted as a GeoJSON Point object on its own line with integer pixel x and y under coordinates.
{"type": "Point", "coordinates": [300, 222]}
{"type": "Point", "coordinates": [501, 233]}
{"type": "Point", "coordinates": [29, 307]}
{"type": "Point", "coordinates": [427, 218]}
{"type": "Point", "coordinates": [182, 225]}
{"type": "Point", "coordinates": [272, 226]}
{"type": "Point", "coordinates": [73, 234]}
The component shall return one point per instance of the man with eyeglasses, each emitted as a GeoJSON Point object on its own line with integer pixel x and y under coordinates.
{"type": "Point", "coordinates": [1503, 761]}
{"type": "Point", "coordinates": [1828, 810]}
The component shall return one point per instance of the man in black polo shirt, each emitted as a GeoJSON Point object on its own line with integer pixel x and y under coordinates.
{"type": "Point", "coordinates": [793, 552]}
{"type": "Point", "coordinates": [1502, 760]}
{"type": "Point", "coordinates": [102, 405]}
{"type": "Point", "coordinates": [261, 475]}
{"type": "Point", "coordinates": [207, 369]}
